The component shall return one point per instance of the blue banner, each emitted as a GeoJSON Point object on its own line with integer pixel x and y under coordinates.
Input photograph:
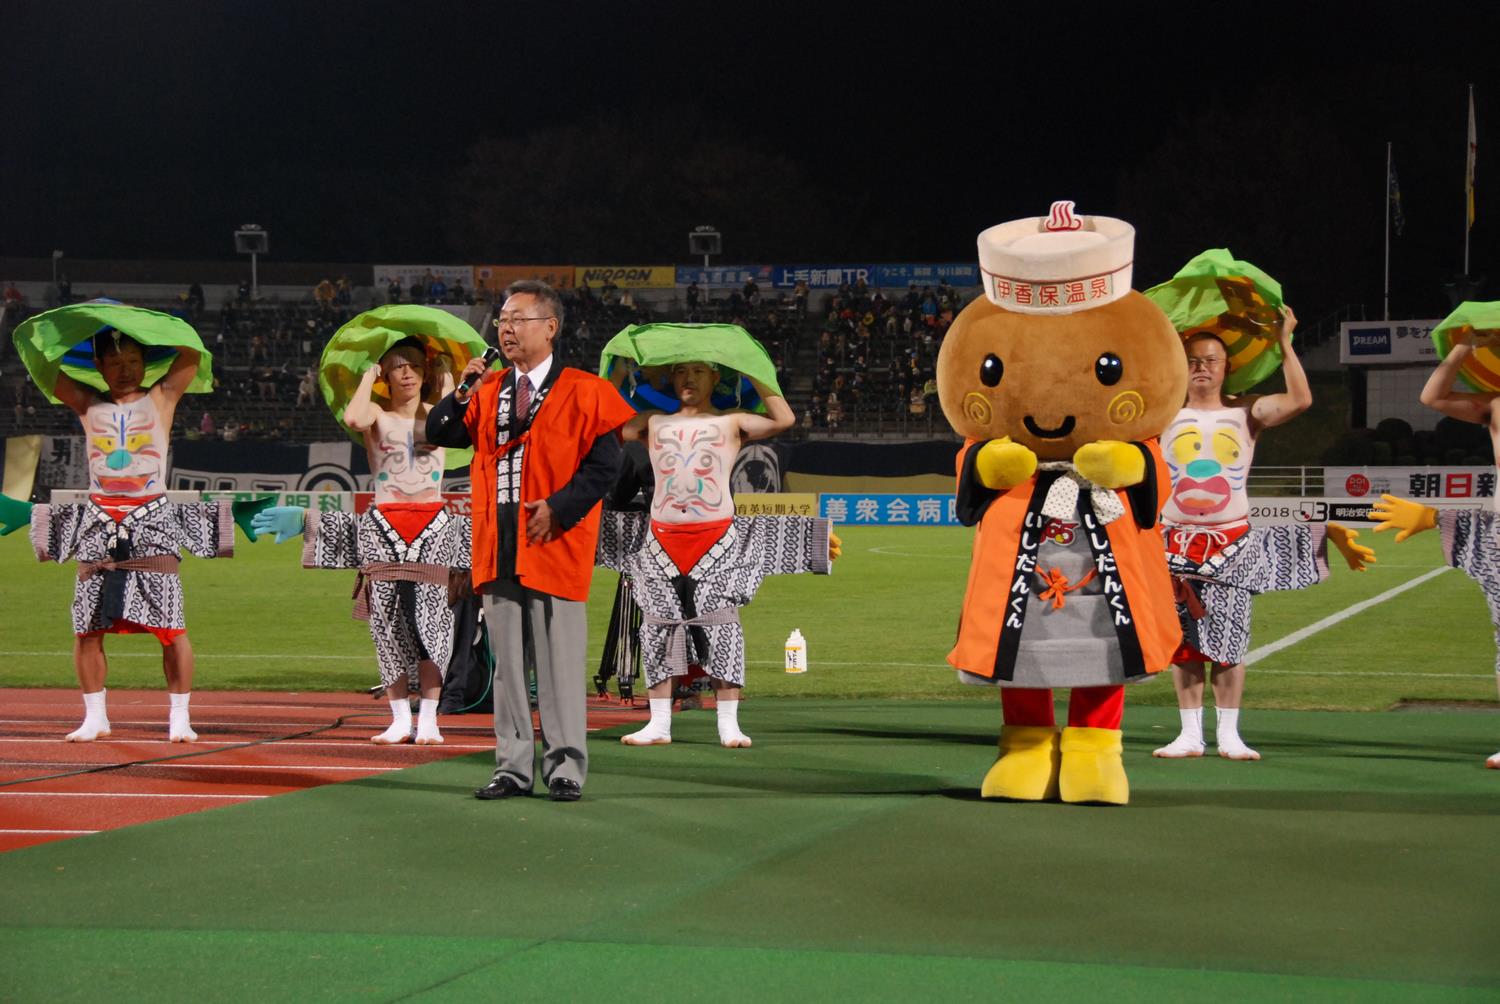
{"type": "Point", "coordinates": [888, 509]}
{"type": "Point", "coordinates": [724, 276]}
{"type": "Point", "coordinates": [820, 276]}
{"type": "Point", "coordinates": [889, 276]}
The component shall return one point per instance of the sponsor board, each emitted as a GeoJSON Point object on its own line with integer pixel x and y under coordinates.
{"type": "Point", "coordinates": [724, 276]}
{"type": "Point", "coordinates": [1373, 342]}
{"type": "Point", "coordinates": [776, 504]}
{"type": "Point", "coordinates": [496, 277]}
{"type": "Point", "coordinates": [626, 276]}
{"type": "Point", "coordinates": [902, 276]}
{"type": "Point", "coordinates": [407, 274]}
{"type": "Point", "coordinates": [1410, 482]}
{"type": "Point", "coordinates": [820, 276]}
{"type": "Point", "coordinates": [889, 509]}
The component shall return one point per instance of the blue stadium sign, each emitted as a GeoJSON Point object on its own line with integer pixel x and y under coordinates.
{"type": "Point", "coordinates": [889, 509]}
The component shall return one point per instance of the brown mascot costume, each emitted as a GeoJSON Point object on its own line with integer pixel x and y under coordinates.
{"type": "Point", "coordinates": [1060, 379]}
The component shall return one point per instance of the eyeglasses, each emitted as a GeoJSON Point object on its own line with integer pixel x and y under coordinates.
{"type": "Point", "coordinates": [1204, 362]}
{"type": "Point", "coordinates": [513, 319]}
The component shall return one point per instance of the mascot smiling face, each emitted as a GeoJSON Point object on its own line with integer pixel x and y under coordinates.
{"type": "Point", "coordinates": [1055, 382]}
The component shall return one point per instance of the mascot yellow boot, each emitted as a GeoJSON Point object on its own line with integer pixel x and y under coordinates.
{"type": "Point", "coordinates": [1060, 379]}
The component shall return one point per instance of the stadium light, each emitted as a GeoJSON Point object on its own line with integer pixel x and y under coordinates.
{"type": "Point", "coordinates": [705, 240]}
{"type": "Point", "coordinates": [254, 241]}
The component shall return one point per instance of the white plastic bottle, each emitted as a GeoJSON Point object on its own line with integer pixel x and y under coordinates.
{"type": "Point", "coordinates": [796, 652]}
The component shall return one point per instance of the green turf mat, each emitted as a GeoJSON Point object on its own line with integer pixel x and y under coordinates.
{"type": "Point", "coordinates": [257, 966]}
{"type": "Point", "coordinates": [847, 845]}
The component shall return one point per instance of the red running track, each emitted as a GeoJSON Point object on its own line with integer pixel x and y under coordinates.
{"type": "Point", "coordinates": [47, 792]}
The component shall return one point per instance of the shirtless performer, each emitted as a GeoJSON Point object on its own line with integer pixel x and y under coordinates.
{"type": "Point", "coordinates": [127, 537]}
{"type": "Point", "coordinates": [692, 562]}
{"type": "Point", "coordinates": [1469, 535]}
{"type": "Point", "coordinates": [404, 545]}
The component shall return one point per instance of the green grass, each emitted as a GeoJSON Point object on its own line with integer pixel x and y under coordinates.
{"type": "Point", "coordinates": [844, 856]}
{"type": "Point", "coordinates": [880, 626]}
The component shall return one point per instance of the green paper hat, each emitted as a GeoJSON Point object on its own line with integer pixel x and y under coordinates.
{"type": "Point", "coordinates": [639, 359]}
{"type": "Point", "coordinates": [1233, 300]}
{"type": "Point", "coordinates": [1479, 325]}
{"type": "Point", "coordinates": [361, 342]}
{"type": "Point", "coordinates": [62, 341]}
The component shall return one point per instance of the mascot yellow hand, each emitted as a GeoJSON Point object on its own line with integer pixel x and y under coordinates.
{"type": "Point", "coordinates": [835, 546]}
{"type": "Point", "coordinates": [1003, 464]}
{"type": "Point", "coordinates": [1356, 556]}
{"type": "Point", "coordinates": [1402, 514]}
{"type": "Point", "coordinates": [1109, 463]}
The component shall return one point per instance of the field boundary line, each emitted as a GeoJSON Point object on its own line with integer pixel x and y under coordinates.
{"type": "Point", "coordinates": [1301, 634]}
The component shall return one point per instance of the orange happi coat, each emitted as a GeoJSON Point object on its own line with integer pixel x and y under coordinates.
{"type": "Point", "coordinates": [1139, 555]}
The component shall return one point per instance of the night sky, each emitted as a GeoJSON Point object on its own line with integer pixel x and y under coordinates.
{"type": "Point", "coordinates": [810, 132]}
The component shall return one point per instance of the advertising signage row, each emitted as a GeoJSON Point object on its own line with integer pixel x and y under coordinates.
{"type": "Point", "coordinates": [770, 277]}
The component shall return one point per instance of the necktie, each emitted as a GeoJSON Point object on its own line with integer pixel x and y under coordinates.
{"type": "Point", "coordinates": [523, 397]}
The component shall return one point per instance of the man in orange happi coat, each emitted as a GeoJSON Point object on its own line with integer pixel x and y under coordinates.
{"type": "Point", "coordinates": [545, 452]}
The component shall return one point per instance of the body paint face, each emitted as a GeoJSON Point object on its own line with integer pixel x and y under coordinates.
{"type": "Point", "coordinates": [406, 469]}
{"type": "Point", "coordinates": [1208, 455]}
{"type": "Point", "coordinates": [127, 452]}
{"type": "Point", "coordinates": [692, 458]}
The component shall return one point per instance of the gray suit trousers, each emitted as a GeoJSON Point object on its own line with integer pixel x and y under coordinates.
{"type": "Point", "coordinates": [558, 632]}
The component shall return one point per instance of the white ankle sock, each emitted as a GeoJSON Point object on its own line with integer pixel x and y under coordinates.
{"type": "Point", "coordinates": [427, 726]}
{"type": "Point", "coordinates": [1227, 736]}
{"type": "Point", "coordinates": [400, 730]}
{"type": "Point", "coordinates": [1189, 741]}
{"type": "Point", "coordinates": [658, 731]}
{"type": "Point", "coordinates": [95, 719]}
{"type": "Point", "coordinates": [179, 724]}
{"type": "Point", "coordinates": [729, 725]}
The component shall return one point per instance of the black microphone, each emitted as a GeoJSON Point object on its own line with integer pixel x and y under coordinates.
{"type": "Point", "coordinates": [491, 353]}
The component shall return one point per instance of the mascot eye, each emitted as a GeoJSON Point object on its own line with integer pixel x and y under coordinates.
{"type": "Point", "coordinates": [991, 370]}
{"type": "Point", "coordinates": [1109, 369]}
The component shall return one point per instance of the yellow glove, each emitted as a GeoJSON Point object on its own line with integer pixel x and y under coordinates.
{"type": "Point", "coordinates": [835, 546]}
{"type": "Point", "coordinates": [1402, 514]}
{"type": "Point", "coordinates": [1356, 556]}
{"type": "Point", "coordinates": [1110, 463]}
{"type": "Point", "coordinates": [1003, 464]}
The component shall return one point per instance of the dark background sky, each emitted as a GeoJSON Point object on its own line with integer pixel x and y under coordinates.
{"type": "Point", "coordinates": [811, 132]}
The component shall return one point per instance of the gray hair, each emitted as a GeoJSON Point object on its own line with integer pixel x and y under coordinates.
{"type": "Point", "coordinates": [543, 292]}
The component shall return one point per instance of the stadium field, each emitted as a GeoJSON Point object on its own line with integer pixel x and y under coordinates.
{"type": "Point", "coordinates": [880, 626]}
{"type": "Point", "coordinates": [845, 855]}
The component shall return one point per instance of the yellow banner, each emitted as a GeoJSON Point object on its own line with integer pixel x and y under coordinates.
{"type": "Point", "coordinates": [496, 277]}
{"type": "Point", "coordinates": [627, 276]}
{"type": "Point", "coordinates": [775, 504]}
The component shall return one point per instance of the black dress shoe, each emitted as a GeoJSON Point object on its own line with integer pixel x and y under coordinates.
{"type": "Point", "coordinates": [500, 786]}
{"type": "Point", "coordinates": [563, 790]}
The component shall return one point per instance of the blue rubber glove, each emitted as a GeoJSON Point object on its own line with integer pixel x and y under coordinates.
{"type": "Point", "coordinates": [242, 512]}
{"type": "Point", "coordinates": [14, 514]}
{"type": "Point", "coordinates": [285, 521]}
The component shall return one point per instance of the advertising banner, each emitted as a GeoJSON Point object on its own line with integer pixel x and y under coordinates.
{"type": "Point", "coordinates": [1382, 342]}
{"type": "Point", "coordinates": [496, 277]}
{"type": "Point", "coordinates": [776, 504]}
{"type": "Point", "coordinates": [820, 276]}
{"type": "Point", "coordinates": [724, 276]}
{"type": "Point", "coordinates": [626, 276]}
{"type": "Point", "coordinates": [889, 509]}
{"type": "Point", "coordinates": [1410, 482]}
{"type": "Point", "coordinates": [407, 274]}
{"type": "Point", "coordinates": [902, 276]}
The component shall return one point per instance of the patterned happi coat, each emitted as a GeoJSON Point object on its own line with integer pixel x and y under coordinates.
{"type": "Point", "coordinates": [85, 533]}
{"type": "Point", "coordinates": [409, 620]}
{"type": "Point", "coordinates": [1469, 544]}
{"type": "Point", "coordinates": [694, 618]}
{"type": "Point", "coordinates": [1265, 559]}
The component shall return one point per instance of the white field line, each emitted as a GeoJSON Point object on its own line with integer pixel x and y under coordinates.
{"type": "Point", "coordinates": [157, 724]}
{"type": "Point", "coordinates": [76, 833]}
{"type": "Point", "coordinates": [1337, 618]}
{"type": "Point", "coordinates": [114, 794]}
